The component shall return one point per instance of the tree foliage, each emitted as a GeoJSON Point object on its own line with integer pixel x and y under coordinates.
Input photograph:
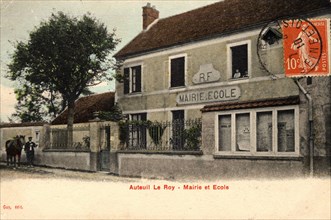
{"type": "Point", "coordinates": [35, 104]}
{"type": "Point", "coordinates": [114, 114]}
{"type": "Point", "coordinates": [62, 57]}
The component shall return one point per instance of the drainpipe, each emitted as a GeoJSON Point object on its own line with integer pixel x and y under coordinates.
{"type": "Point", "coordinates": [311, 135]}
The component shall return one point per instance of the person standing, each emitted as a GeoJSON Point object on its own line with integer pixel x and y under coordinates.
{"type": "Point", "coordinates": [29, 150]}
{"type": "Point", "coordinates": [237, 74]}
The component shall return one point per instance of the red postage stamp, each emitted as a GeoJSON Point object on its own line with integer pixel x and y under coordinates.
{"type": "Point", "coordinates": [306, 47]}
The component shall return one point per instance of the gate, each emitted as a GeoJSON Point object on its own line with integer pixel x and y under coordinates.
{"type": "Point", "coordinates": [104, 154]}
{"type": "Point", "coordinates": [104, 160]}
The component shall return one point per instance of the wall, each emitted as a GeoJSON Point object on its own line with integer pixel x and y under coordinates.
{"type": "Point", "coordinates": [69, 160]}
{"type": "Point", "coordinates": [36, 132]}
{"type": "Point", "coordinates": [158, 100]}
{"type": "Point", "coordinates": [204, 167]}
{"type": "Point", "coordinates": [88, 159]}
{"type": "Point", "coordinates": [320, 91]}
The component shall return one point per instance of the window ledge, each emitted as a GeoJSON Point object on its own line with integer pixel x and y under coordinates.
{"type": "Point", "coordinates": [67, 150]}
{"type": "Point", "coordinates": [133, 94]}
{"type": "Point", "coordinates": [160, 152]}
{"type": "Point", "coordinates": [241, 78]}
{"type": "Point", "coordinates": [256, 157]}
{"type": "Point", "coordinates": [179, 88]}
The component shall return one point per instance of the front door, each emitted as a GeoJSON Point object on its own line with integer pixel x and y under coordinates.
{"type": "Point", "coordinates": [178, 129]}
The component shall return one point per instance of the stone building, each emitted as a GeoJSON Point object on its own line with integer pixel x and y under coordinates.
{"type": "Point", "coordinates": [206, 63]}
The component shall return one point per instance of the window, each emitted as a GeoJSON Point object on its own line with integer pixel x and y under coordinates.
{"type": "Point", "coordinates": [225, 133]}
{"type": "Point", "coordinates": [239, 60]}
{"type": "Point", "coordinates": [177, 72]}
{"type": "Point", "coordinates": [285, 128]}
{"type": "Point", "coordinates": [242, 132]}
{"type": "Point", "coordinates": [178, 126]}
{"type": "Point", "coordinates": [138, 131]}
{"type": "Point", "coordinates": [264, 131]}
{"type": "Point", "coordinates": [132, 79]}
{"type": "Point", "coordinates": [258, 132]}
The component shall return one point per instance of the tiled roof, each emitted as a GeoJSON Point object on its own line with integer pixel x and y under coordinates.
{"type": "Point", "coordinates": [85, 106]}
{"type": "Point", "coordinates": [291, 100]}
{"type": "Point", "coordinates": [215, 20]}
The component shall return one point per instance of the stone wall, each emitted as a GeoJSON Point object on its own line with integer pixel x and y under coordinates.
{"type": "Point", "coordinates": [320, 92]}
{"type": "Point", "coordinates": [86, 159]}
{"type": "Point", "coordinates": [36, 132]}
{"type": "Point", "coordinates": [202, 167]}
{"type": "Point", "coordinates": [68, 160]}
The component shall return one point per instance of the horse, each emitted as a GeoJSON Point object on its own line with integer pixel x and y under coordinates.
{"type": "Point", "coordinates": [14, 149]}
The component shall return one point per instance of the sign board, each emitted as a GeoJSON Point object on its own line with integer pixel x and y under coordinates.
{"type": "Point", "coordinates": [209, 95]}
{"type": "Point", "coordinates": [206, 74]}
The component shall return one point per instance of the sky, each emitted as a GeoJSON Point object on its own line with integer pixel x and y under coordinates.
{"type": "Point", "coordinates": [20, 17]}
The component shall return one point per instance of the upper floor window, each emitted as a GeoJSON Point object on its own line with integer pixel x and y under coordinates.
{"type": "Point", "coordinates": [132, 79]}
{"type": "Point", "coordinates": [239, 60]}
{"type": "Point", "coordinates": [177, 71]}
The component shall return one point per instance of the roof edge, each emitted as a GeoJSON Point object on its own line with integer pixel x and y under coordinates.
{"type": "Point", "coordinates": [23, 124]}
{"type": "Point", "coordinates": [225, 106]}
{"type": "Point", "coordinates": [317, 12]}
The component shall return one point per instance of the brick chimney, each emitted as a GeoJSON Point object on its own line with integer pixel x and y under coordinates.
{"type": "Point", "coordinates": [150, 14]}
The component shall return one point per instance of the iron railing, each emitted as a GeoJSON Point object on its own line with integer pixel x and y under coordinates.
{"type": "Point", "coordinates": [176, 135]}
{"type": "Point", "coordinates": [81, 138]}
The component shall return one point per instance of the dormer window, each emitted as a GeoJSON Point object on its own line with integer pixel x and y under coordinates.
{"type": "Point", "coordinates": [132, 79]}
{"type": "Point", "coordinates": [271, 36]}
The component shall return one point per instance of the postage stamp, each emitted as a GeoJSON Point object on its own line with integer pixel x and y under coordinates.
{"type": "Point", "coordinates": [306, 47]}
{"type": "Point", "coordinates": [295, 47]}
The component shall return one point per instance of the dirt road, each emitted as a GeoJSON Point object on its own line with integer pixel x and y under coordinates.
{"type": "Point", "coordinates": [43, 193]}
{"type": "Point", "coordinates": [37, 172]}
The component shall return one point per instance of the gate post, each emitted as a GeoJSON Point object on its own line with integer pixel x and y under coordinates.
{"type": "Point", "coordinates": [94, 144]}
{"type": "Point", "coordinates": [114, 147]}
{"type": "Point", "coordinates": [46, 138]}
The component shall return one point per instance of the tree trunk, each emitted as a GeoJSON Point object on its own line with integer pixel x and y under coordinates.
{"type": "Point", "coordinates": [70, 122]}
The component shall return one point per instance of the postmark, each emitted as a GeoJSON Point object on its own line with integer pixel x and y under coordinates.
{"type": "Point", "coordinates": [295, 47]}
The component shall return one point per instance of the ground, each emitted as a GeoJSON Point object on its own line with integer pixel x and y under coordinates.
{"type": "Point", "coordinates": [38, 172]}
{"type": "Point", "coordinates": [47, 193]}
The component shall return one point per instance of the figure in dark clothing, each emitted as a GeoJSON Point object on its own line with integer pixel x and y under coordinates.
{"type": "Point", "coordinates": [29, 150]}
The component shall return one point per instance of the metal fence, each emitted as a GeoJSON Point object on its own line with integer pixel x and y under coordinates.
{"type": "Point", "coordinates": [81, 138]}
{"type": "Point", "coordinates": [176, 135]}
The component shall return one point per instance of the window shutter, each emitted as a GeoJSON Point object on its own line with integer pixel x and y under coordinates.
{"type": "Point", "coordinates": [138, 79]}
{"type": "Point", "coordinates": [126, 80]}
{"type": "Point", "coordinates": [178, 72]}
{"type": "Point", "coordinates": [143, 116]}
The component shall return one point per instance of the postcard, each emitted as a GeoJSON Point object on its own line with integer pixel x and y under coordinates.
{"type": "Point", "coordinates": [165, 109]}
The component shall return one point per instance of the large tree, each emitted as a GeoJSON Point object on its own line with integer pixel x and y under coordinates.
{"type": "Point", "coordinates": [65, 55]}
